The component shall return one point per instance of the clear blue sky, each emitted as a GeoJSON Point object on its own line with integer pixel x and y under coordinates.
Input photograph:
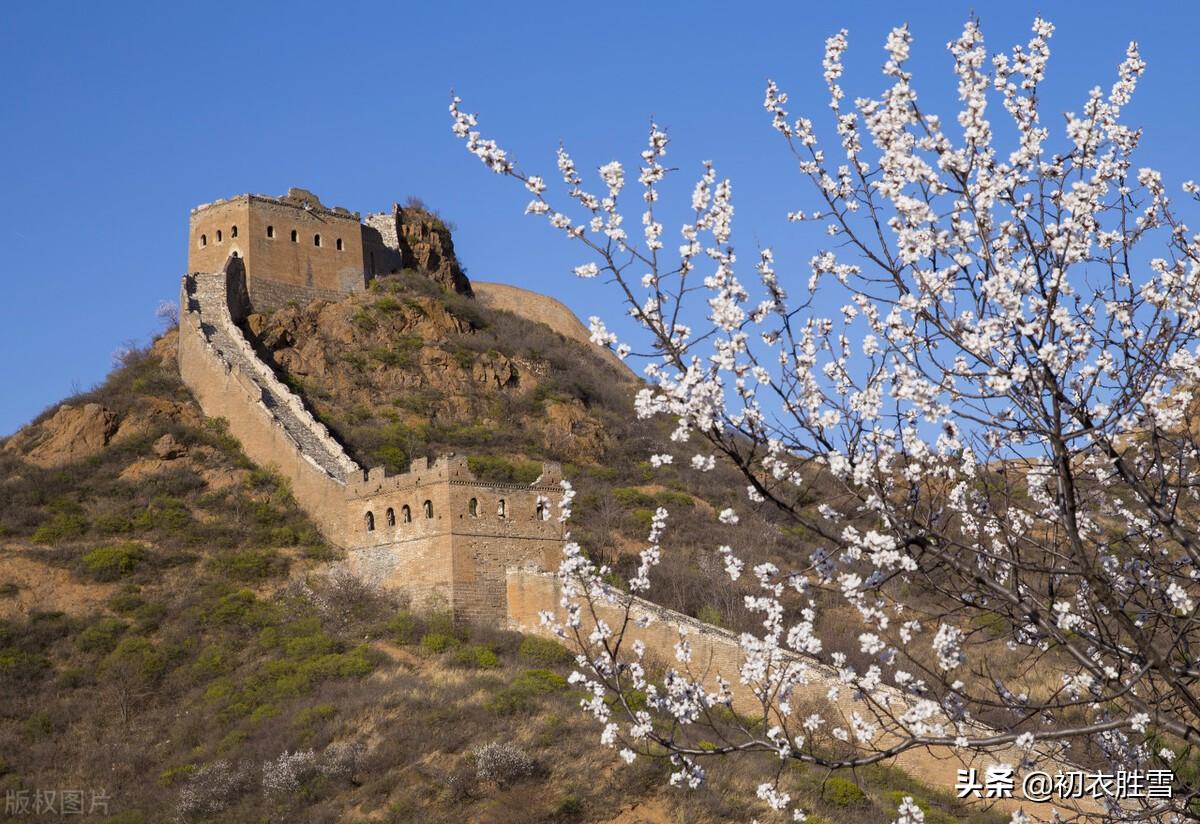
{"type": "Point", "coordinates": [118, 117]}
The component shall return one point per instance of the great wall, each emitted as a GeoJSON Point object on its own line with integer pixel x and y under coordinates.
{"type": "Point", "coordinates": [485, 550]}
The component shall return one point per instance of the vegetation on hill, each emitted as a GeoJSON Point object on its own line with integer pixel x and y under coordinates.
{"type": "Point", "coordinates": [170, 640]}
{"type": "Point", "coordinates": [409, 369]}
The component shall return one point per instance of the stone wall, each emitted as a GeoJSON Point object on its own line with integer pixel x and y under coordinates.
{"type": "Point", "coordinates": [225, 389]}
{"type": "Point", "coordinates": [381, 243]}
{"type": "Point", "coordinates": [716, 651]}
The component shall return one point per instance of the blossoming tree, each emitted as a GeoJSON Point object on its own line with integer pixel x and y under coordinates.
{"type": "Point", "coordinates": [1001, 412]}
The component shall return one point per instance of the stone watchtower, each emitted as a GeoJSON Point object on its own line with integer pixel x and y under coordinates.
{"type": "Point", "coordinates": [437, 530]}
{"type": "Point", "coordinates": [293, 248]}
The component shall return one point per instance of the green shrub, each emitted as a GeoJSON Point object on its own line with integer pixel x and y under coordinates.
{"type": "Point", "coordinates": [631, 497]}
{"type": "Point", "coordinates": [310, 715]}
{"type": "Point", "coordinates": [711, 615]}
{"type": "Point", "coordinates": [509, 701]}
{"type": "Point", "coordinates": [438, 642]}
{"type": "Point", "coordinates": [569, 808]}
{"type": "Point", "coordinates": [636, 699]}
{"type": "Point", "coordinates": [62, 526]}
{"type": "Point", "coordinates": [170, 775]}
{"type": "Point", "coordinates": [134, 659]}
{"type": "Point", "coordinates": [241, 609]}
{"type": "Point", "coordinates": [671, 498]}
{"type": "Point", "coordinates": [540, 680]}
{"type": "Point", "coordinates": [214, 660]}
{"type": "Point", "coordinates": [113, 523]}
{"type": "Point", "coordinates": [39, 725]}
{"type": "Point", "coordinates": [164, 514]}
{"type": "Point", "coordinates": [101, 637]}
{"type": "Point", "coordinates": [491, 468]}
{"type": "Point", "coordinates": [20, 665]}
{"type": "Point", "coordinates": [521, 694]}
{"type": "Point", "coordinates": [842, 792]}
{"type": "Point", "coordinates": [442, 622]}
{"type": "Point", "coordinates": [250, 564]}
{"type": "Point", "coordinates": [475, 657]}
{"type": "Point", "coordinates": [543, 651]}
{"type": "Point", "coordinates": [107, 563]}
{"type": "Point", "coordinates": [642, 519]}
{"type": "Point", "coordinates": [402, 628]}
{"type": "Point", "coordinates": [126, 601]}
{"type": "Point", "coordinates": [283, 536]}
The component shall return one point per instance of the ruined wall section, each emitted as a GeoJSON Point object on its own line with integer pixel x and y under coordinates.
{"type": "Point", "coordinates": [218, 365]}
{"type": "Point", "coordinates": [381, 244]}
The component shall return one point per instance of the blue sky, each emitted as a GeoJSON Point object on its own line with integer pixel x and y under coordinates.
{"type": "Point", "coordinates": [119, 117]}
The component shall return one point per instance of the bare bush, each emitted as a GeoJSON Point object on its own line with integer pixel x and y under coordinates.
{"type": "Point", "coordinates": [342, 759]}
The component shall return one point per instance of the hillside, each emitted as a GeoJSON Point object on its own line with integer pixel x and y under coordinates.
{"type": "Point", "coordinates": [170, 633]}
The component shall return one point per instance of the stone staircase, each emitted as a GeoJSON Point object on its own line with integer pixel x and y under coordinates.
{"type": "Point", "coordinates": [207, 297]}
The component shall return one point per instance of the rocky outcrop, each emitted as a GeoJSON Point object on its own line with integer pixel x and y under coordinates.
{"type": "Point", "coordinates": [427, 247]}
{"type": "Point", "coordinates": [421, 241]}
{"type": "Point", "coordinates": [571, 431]}
{"type": "Point", "coordinates": [71, 434]}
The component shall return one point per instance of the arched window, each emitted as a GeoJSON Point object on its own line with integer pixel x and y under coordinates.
{"type": "Point", "coordinates": [203, 240]}
{"type": "Point", "coordinates": [391, 517]}
{"type": "Point", "coordinates": [219, 238]}
{"type": "Point", "coordinates": [473, 508]}
{"type": "Point", "coordinates": [428, 507]}
{"type": "Point", "coordinates": [542, 514]}
{"type": "Point", "coordinates": [270, 231]}
{"type": "Point", "coordinates": [370, 522]}
{"type": "Point", "coordinates": [234, 253]}
{"type": "Point", "coordinates": [339, 244]}
{"type": "Point", "coordinates": [233, 231]}
{"type": "Point", "coordinates": [295, 236]}
{"type": "Point", "coordinates": [501, 510]}
{"type": "Point", "coordinates": [405, 514]}
{"type": "Point", "coordinates": [316, 240]}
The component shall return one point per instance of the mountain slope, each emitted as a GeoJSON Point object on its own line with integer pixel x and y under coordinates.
{"type": "Point", "coordinates": [170, 635]}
